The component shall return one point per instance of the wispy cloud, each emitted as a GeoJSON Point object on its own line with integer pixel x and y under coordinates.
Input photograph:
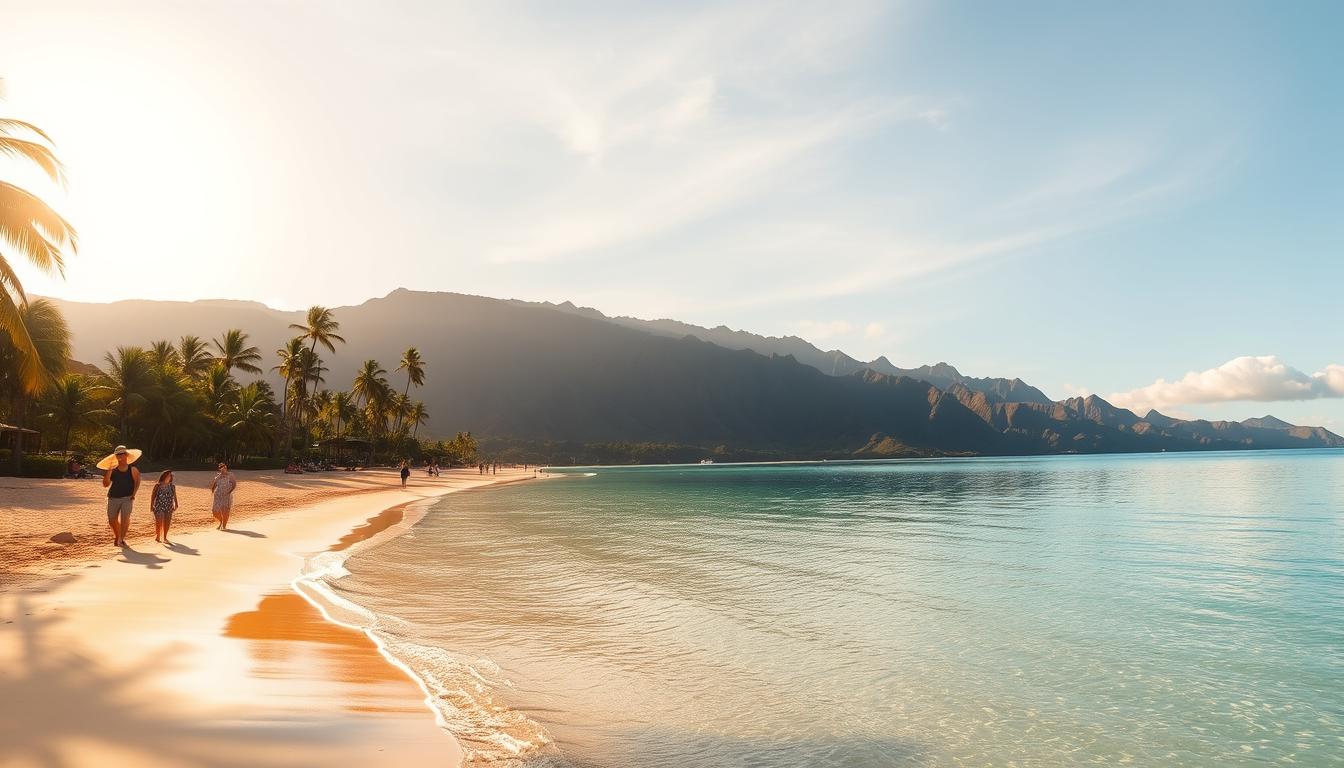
{"type": "Point", "coordinates": [1260, 379]}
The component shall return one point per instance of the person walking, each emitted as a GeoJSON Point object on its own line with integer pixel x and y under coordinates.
{"type": "Point", "coordinates": [405, 471]}
{"type": "Point", "coordinates": [122, 481]}
{"type": "Point", "coordinates": [163, 503]}
{"type": "Point", "coordinates": [222, 487]}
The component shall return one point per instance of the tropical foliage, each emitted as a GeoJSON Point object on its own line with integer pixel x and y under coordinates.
{"type": "Point", "coordinates": [183, 401]}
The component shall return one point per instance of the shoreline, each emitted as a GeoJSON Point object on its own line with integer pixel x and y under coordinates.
{"type": "Point", "coordinates": [215, 652]}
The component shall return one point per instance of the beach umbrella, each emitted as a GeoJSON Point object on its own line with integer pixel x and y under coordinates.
{"type": "Point", "coordinates": [110, 460]}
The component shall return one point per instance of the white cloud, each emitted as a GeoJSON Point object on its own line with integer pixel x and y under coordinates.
{"type": "Point", "coordinates": [874, 331]}
{"type": "Point", "coordinates": [1263, 379]}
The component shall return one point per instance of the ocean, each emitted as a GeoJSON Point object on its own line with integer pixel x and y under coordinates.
{"type": "Point", "coordinates": [1165, 609]}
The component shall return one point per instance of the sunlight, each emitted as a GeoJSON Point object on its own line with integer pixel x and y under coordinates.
{"type": "Point", "coordinates": [159, 162]}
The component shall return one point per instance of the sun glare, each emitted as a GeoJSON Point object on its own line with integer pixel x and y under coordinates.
{"type": "Point", "coordinates": [157, 167]}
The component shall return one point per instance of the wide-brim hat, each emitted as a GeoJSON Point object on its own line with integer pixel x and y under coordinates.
{"type": "Point", "coordinates": [110, 460]}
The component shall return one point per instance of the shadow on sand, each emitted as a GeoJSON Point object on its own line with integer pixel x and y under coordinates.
{"type": "Point", "coordinates": [63, 700]}
{"type": "Point", "coordinates": [147, 559]}
{"type": "Point", "coordinates": [241, 532]}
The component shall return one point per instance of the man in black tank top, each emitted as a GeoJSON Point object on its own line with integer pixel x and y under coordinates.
{"type": "Point", "coordinates": [122, 482]}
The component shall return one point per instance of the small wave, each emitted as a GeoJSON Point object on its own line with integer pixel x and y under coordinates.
{"type": "Point", "coordinates": [461, 692]}
{"type": "Point", "coordinates": [464, 692]}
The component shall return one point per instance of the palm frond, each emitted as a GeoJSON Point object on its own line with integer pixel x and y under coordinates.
{"type": "Point", "coordinates": [37, 231]}
{"type": "Point", "coordinates": [38, 154]}
{"type": "Point", "coordinates": [31, 373]}
{"type": "Point", "coordinates": [8, 124]}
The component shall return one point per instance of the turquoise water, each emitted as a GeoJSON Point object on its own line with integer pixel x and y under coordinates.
{"type": "Point", "coordinates": [1148, 610]}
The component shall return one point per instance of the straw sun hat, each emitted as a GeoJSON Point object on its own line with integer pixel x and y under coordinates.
{"type": "Point", "coordinates": [109, 461]}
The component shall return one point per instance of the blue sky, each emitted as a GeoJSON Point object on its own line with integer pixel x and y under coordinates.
{"type": "Point", "coordinates": [1089, 196]}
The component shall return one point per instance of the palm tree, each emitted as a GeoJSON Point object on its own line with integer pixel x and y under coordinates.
{"type": "Point", "coordinates": [128, 379]}
{"type": "Point", "coordinates": [368, 381]}
{"type": "Point", "coordinates": [172, 409]}
{"type": "Point", "coordinates": [163, 356]}
{"type": "Point", "coordinates": [342, 409]}
{"type": "Point", "coordinates": [234, 352]}
{"type": "Point", "coordinates": [414, 366]}
{"type": "Point", "coordinates": [49, 339]}
{"type": "Point", "coordinates": [310, 375]}
{"type": "Point", "coordinates": [289, 367]}
{"type": "Point", "coordinates": [69, 405]}
{"type": "Point", "coordinates": [249, 417]}
{"type": "Point", "coordinates": [31, 229]}
{"type": "Point", "coordinates": [195, 357]}
{"type": "Point", "coordinates": [219, 388]}
{"type": "Point", "coordinates": [419, 415]}
{"type": "Point", "coordinates": [321, 327]}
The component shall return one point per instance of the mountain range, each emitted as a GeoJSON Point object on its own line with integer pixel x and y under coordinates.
{"type": "Point", "coordinates": [556, 379]}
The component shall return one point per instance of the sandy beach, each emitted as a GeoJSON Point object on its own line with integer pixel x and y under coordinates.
{"type": "Point", "coordinates": [204, 653]}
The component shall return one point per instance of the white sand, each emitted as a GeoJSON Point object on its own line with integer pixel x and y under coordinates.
{"type": "Point", "coordinates": [203, 654]}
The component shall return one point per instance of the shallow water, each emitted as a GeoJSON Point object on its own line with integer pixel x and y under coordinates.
{"type": "Point", "coordinates": [1160, 610]}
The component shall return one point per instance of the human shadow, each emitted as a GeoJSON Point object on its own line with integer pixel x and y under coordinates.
{"type": "Point", "coordinates": [64, 698]}
{"type": "Point", "coordinates": [182, 549]}
{"type": "Point", "coordinates": [147, 559]}
{"type": "Point", "coordinates": [249, 534]}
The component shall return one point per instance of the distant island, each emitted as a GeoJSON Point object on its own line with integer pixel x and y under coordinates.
{"type": "Point", "coordinates": [557, 383]}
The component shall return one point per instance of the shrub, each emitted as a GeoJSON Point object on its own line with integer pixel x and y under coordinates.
{"type": "Point", "coordinates": [34, 465]}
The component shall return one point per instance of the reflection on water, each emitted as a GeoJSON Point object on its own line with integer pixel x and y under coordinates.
{"type": "Point", "coordinates": [1175, 610]}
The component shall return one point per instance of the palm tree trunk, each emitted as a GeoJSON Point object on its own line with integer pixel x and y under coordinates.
{"type": "Point", "coordinates": [16, 451]}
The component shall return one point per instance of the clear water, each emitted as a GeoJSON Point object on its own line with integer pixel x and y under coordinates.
{"type": "Point", "coordinates": [1154, 610]}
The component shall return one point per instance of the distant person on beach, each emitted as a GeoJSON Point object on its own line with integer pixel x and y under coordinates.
{"type": "Point", "coordinates": [222, 486]}
{"type": "Point", "coordinates": [74, 470]}
{"type": "Point", "coordinates": [122, 481]}
{"type": "Point", "coordinates": [405, 471]}
{"type": "Point", "coordinates": [163, 503]}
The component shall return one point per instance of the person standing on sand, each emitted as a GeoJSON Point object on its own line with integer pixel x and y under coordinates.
{"type": "Point", "coordinates": [405, 471]}
{"type": "Point", "coordinates": [222, 487]}
{"type": "Point", "coordinates": [122, 481]}
{"type": "Point", "coordinates": [163, 503]}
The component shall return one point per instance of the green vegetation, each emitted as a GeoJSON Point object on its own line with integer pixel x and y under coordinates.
{"type": "Point", "coordinates": [184, 404]}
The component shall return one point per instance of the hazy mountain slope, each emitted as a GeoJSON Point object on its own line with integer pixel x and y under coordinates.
{"type": "Point", "coordinates": [530, 371]}
{"type": "Point", "coordinates": [832, 362]}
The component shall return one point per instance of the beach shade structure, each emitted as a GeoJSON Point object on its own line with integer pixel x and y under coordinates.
{"type": "Point", "coordinates": [9, 429]}
{"type": "Point", "coordinates": [110, 460]}
{"type": "Point", "coordinates": [346, 448]}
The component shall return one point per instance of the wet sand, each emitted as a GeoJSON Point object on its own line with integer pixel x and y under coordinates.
{"type": "Point", "coordinates": [202, 654]}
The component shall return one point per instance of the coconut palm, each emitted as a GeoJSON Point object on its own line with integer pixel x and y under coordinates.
{"type": "Point", "coordinates": [320, 326]}
{"type": "Point", "coordinates": [194, 356]}
{"type": "Point", "coordinates": [289, 367]}
{"type": "Point", "coordinates": [418, 415]}
{"type": "Point", "coordinates": [310, 375]}
{"type": "Point", "coordinates": [172, 409]}
{"type": "Point", "coordinates": [414, 366]}
{"type": "Point", "coordinates": [342, 409]}
{"type": "Point", "coordinates": [48, 339]}
{"type": "Point", "coordinates": [368, 381]}
{"type": "Point", "coordinates": [234, 352]}
{"type": "Point", "coordinates": [249, 418]}
{"type": "Point", "coordinates": [219, 388]}
{"type": "Point", "coordinates": [31, 229]}
{"type": "Point", "coordinates": [163, 356]}
{"type": "Point", "coordinates": [70, 404]}
{"type": "Point", "coordinates": [128, 379]}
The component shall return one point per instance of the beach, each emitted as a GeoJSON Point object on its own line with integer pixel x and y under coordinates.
{"type": "Point", "coordinates": [204, 653]}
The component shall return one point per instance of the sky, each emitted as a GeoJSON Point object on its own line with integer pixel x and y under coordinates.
{"type": "Point", "coordinates": [1139, 200]}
